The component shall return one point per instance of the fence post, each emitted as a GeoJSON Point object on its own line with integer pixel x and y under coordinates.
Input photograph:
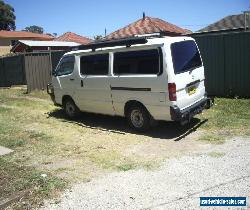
{"type": "Point", "coordinates": [50, 59]}
{"type": "Point", "coordinates": [4, 74]}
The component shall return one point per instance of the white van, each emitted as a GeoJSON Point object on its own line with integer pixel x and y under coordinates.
{"type": "Point", "coordinates": [143, 79]}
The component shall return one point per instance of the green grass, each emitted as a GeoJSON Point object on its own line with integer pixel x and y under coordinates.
{"type": "Point", "coordinates": [16, 178]}
{"type": "Point", "coordinates": [216, 154]}
{"type": "Point", "coordinates": [227, 118]}
{"type": "Point", "coordinates": [212, 139]}
{"type": "Point", "coordinates": [16, 113]}
{"type": "Point", "coordinates": [126, 166]}
{"type": "Point", "coordinates": [65, 150]}
{"type": "Point", "coordinates": [130, 165]}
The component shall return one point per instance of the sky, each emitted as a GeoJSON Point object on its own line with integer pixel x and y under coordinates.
{"type": "Point", "coordinates": [91, 17]}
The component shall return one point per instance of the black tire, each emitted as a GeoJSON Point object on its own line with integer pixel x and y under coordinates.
{"type": "Point", "coordinates": [70, 108]}
{"type": "Point", "coordinates": [138, 118]}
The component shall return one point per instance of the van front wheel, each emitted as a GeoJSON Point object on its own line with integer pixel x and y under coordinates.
{"type": "Point", "coordinates": [138, 118]}
{"type": "Point", "coordinates": [71, 109]}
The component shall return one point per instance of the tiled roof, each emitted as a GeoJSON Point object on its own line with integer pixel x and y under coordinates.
{"type": "Point", "coordinates": [147, 25]}
{"type": "Point", "coordinates": [24, 35]}
{"type": "Point", "coordinates": [231, 22]}
{"type": "Point", "coordinates": [187, 31]}
{"type": "Point", "coordinates": [72, 37]}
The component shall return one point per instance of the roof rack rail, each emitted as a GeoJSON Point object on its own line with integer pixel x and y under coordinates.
{"type": "Point", "coordinates": [152, 35]}
{"type": "Point", "coordinates": [112, 43]}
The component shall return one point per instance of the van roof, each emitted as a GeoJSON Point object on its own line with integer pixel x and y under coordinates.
{"type": "Point", "coordinates": [150, 41]}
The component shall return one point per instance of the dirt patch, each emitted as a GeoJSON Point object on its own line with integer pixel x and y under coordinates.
{"type": "Point", "coordinates": [77, 169]}
{"type": "Point", "coordinates": [158, 149]}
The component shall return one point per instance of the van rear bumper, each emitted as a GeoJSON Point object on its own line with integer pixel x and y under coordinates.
{"type": "Point", "coordinates": [185, 115]}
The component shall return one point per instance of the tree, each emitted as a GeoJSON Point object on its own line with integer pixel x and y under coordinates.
{"type": "Point", "coordinates": [34, 29]}
{"type": "Point", "coordinates": [7, 17]}
{"type": "Point", "coordinates": [98, 37]}
{"type": "Point", "coordinates": [53, 34]}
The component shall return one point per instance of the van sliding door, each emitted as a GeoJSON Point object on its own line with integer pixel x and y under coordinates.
{"type": "Point", "coordinates": [94, 93]}
{"type": "Point", "coordinates": [138, 75]}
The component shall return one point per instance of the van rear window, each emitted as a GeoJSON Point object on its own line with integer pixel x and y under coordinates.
{"type": "Point", "coordinates": [185, 56]}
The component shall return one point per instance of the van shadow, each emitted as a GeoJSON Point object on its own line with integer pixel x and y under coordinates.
{"type": "Point", "coordinates": [164, 130]}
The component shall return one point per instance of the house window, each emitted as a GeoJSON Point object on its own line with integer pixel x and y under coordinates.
{"type": "Point", "coordinates": [66, 66]}
{"type": "Point", "coordinates": [95, 64]}
{"type": "Point", "coordinates": [137, 62]}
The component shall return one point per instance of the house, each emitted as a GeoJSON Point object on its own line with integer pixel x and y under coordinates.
{"type": "Point", "coordinates": [72, 37]}
{"type": "Point", "coordinates": [231, 23]}
{"type": "Point", "coordinates": [33, 46]}
{"type": "Point", "coordinates": [8, 39]}
{"type": "Point", "coordinates": [147, 25]}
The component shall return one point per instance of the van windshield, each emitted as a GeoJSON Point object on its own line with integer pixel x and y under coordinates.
{"type": "Point", "coordinates": [185, 56]}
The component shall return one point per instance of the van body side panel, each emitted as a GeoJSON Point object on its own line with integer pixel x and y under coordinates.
{"type": "Point", "coordinates": [95, 95]}
{"type": "Point", "coordinates": [146, 89]}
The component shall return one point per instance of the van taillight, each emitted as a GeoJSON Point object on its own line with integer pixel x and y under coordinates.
{"type": "Point", "coordinates": [172, 91]}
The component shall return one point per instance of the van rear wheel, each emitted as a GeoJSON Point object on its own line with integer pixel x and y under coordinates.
{"type": "Point", "coordinates": [138, 118]}
{"type": "Point", "coordinates": [70, 108]}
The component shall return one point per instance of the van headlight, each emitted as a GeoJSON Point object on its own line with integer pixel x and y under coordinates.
{"type": "Point", "coordinates": [50, 89]}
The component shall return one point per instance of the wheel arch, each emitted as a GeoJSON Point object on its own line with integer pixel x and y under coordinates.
{"type": "Point", "coordinates": [65, 97]}
{"type": "Point", "coordinates": [133, 103]}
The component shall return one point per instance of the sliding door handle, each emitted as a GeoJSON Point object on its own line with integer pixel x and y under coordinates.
{"type": "Point", "coordinates": [71, 79]}
{"type": "Point", "coordinates": [81, 83]}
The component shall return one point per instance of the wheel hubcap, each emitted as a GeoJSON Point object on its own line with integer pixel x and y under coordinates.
{"type": "Point", "coordinates": [137, 118]}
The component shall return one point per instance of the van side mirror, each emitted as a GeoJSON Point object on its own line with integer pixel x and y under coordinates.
{"type": "Point", "coordinates": [54, 73]}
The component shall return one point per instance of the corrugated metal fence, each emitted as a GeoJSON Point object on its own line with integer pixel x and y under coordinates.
{"type": "Point", "coordinates": [12, 71]}
{"type": "Point", "coordinates": [31, 69]}
{"type": "Point", "coordinates": [226, 59]}
{"type": "Point", "coordinates": [37, 70]}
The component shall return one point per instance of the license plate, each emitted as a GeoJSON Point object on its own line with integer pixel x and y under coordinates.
{"type": "Point", "coordinates": [191, 90]}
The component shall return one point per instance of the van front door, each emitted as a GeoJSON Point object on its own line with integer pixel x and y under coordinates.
{"type": "Point", "coordinates": [63, 80]}
{"type": "Point", "coordinates": [94, 94]}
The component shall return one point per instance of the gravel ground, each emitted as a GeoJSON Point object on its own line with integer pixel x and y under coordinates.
{"type": "Point", "coordinates": [223, 170]}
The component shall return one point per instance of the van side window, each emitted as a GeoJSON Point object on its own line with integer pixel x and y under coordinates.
{"type": "Point", "coordinates": [66, 66]}
{"type": "Point", "coordinates": [95, 64]}
{"type": "Point", "coordinates": [137, 62]}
